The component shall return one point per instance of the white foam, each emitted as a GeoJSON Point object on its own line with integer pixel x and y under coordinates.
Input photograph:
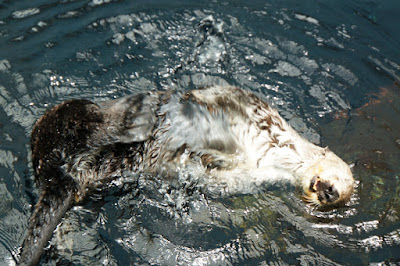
{"type": "Point", "coordinates": [7, 159]}
{"type": "Point", "coordinates": [118, 38]}
{"type": "Point", "coordinates": [4, 65]}
{"type": "Point", "coordinates": [342, 72]}
{"type": "Point", "coordinates": [286, 69]}
{"type": "Point", "coordinates": [99, 2]}
{"type": "Point", "coordinates": [25, 13]}
{"type": "Point", "coordinates": [307, 19]}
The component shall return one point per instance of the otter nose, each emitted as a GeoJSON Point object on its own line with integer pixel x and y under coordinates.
{"type": "Point", "coordinates": [328, 193]}
{"type": "Point", "coordinates": [325, 191]}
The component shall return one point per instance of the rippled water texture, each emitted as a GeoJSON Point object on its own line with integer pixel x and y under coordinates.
{"type": "Point", "coordinates": [330, 67]}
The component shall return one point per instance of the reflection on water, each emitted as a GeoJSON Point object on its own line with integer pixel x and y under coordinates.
{"type": "Point", "coordinates": [332, 70]}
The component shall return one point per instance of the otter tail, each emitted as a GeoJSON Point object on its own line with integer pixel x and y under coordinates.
{"type": "Point", "coordinates": [48, 212]}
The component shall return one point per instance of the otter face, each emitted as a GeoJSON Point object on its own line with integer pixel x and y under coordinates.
{"type": "Point", "coordinates": [328, 182]}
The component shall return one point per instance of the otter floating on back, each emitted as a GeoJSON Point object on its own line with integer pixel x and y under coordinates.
{"type": "Point", "coordinates": [233, 136]}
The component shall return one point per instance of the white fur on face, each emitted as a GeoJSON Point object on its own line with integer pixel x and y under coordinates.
{"type": "Point", "coordinates": [335, 174]}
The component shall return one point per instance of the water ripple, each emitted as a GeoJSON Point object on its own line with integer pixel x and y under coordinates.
{"type": "Point", "coordinates": [331, 70]}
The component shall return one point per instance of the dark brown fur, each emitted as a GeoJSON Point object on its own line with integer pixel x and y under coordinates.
{"type": "Point", "coordinates": [60, 133]}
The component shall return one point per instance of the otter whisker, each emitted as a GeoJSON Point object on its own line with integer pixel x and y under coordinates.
{"type": "Point", "coordinates": [311, 201]}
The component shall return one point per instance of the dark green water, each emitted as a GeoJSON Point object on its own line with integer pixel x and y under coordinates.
{"type": "Point", "coordinates": [332, 68]}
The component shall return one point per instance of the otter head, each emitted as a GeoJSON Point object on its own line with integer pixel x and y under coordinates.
{"type": "Point", "coordinates": [327, 182]}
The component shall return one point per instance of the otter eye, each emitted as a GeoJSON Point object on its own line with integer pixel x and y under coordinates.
{"type": "Point", "coordinates": [313, 184]}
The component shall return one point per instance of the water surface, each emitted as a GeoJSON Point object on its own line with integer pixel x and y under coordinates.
{"type": "Point", "coordinates": [332, 69]}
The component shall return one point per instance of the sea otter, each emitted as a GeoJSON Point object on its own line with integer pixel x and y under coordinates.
{"type": "Point", "coordinates": [233, 136]}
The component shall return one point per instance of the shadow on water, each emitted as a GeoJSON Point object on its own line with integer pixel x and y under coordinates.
{"type": "Point", "coordinates": [331, 68]}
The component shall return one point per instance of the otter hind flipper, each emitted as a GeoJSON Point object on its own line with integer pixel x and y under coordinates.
{"type": "Point", "coordinates": [53, 203]}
